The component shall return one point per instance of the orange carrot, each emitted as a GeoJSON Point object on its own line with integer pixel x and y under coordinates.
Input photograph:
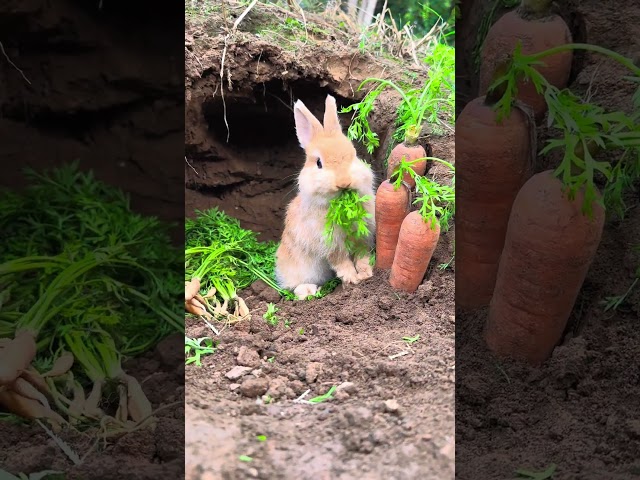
{"type": "Point", "coordinates": [549, 247]}
{"type": "Point", "coordinates": [417, 242]}
{"type": "Point", "coordinates": [538, 29]}
{"type": "Point", "coordinates": [16, 356]}
{"type": "Point", "coordinates": [494, 161]}
{"type": "Point", "coordinates": [391, 208]}
{"type": "Point", "coordinates": [408, 153]}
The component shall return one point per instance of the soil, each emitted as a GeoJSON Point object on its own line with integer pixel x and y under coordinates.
{"type": "Point", "coordinates": [103, 87]}
{"type": "Point", "coordinates": [579, 409]}
{"type": "Point", "coordinates": [392, 417]}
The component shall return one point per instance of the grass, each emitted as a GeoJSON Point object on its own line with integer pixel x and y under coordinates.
{"type": "Point", "coordinates": [324, 397]}
{"type": "Point", "coordinates": [615, 301]}
{"type": "Point", "coordinates": [411, 340]}
{"type": "Point", "coordinates": [584, 128]}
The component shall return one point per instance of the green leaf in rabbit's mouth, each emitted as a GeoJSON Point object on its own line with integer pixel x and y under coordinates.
{"type": "Point", "coordinates": [347, 212]}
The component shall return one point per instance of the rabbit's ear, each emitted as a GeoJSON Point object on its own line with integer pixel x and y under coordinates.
{"type": "Point", "coordinates": [331, 120]}
{"type": "Point", "coordinates": [307, 126]}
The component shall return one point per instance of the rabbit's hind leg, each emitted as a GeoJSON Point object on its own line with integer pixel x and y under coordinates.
{"type": "Point", "coordinates": [304, 290]}
{"type": "Point", "coordinates": [301, 273]}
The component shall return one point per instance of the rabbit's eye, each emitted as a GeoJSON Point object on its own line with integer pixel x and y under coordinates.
{"type": "Point", "coordinates": [319, 163]}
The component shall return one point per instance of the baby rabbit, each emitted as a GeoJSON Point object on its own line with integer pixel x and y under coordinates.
{"type": "Point", "coordinates": [304, 260]}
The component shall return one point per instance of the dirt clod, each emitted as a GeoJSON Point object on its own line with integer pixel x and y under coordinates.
{"type": "Point", "coordinates": [248, 357]}
{"type": "Point", "coordinates": [314, 369]}
{"type": "Point", "coordinates": [254, 387]}
{"type": "Point", "coordinates": [237, 372]}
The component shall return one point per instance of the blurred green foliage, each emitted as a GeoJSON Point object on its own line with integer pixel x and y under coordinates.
{"type": "Point", "coordinates": [421, 15]}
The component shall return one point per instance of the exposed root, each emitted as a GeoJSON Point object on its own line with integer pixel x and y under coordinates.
{"type": "Point", "coordinates": [13, 64]}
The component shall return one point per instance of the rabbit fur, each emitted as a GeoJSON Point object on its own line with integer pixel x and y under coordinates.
{"type": "Point", "coordinates": [304, 259]}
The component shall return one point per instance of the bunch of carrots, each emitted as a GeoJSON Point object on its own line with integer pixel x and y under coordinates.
{"type": "Point", "coordinates": [209, 306]}
{"type": "Point", "coordinates": [406, 239]}
{"type": "Point", "coordinates": [85, 283]}
{"type": "Point", "coordinates": [526, 240]}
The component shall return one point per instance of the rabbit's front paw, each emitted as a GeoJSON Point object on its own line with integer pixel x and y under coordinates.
{"type": "Point", "coordinates": [349, 276]}
{"type": "Point", "coordinates": [365, 270]}
{"type": "Point", "coordinates": [304, 290]}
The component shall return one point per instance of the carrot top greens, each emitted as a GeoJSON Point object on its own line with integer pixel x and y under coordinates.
{"type": "Point", "coordinates": [227, 257]}
{"type": "Point", "coordinates": [430, 102]}
{"type": "Point", "coordinates": [84, 273]}
{"type": "Point", "coordinates": [436, 201]}
{"type": "Point", "coordinates": [348, 214]}
{"type": "Point", "coordinates": [584, 129]}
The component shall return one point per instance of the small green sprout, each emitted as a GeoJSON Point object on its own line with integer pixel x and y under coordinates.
{"type": "Point", "coordinates": [194, 349]}
{"type": "Point", "coordinates": [323, 398]}
{"type": "Point", "coordinates": [411, 340]}
{"type": "Point", "coordinates": [270, 315]}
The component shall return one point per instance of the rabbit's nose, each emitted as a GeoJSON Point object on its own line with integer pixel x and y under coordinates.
{"type": "Point", "coordinates": [344, 185]}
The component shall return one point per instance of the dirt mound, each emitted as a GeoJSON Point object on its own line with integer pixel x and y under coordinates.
{"type": "Point", "coordinates": [579, 410]}
{"type": "Point", "coordinates": [391, 418]}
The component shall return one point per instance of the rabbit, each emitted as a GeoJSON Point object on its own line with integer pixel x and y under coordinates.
{"type": "Point", "coordinates": [304, 260]}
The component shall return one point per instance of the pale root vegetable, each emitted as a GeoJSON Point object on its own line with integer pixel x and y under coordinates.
{"type": "Point", "coordinates": [243, 310]}
{"type": "Point", "coordinates": [191, 288]}
{"type": "Point", "coordinates": [16, 356]}
{"type": "Point", "coordinates": [538, 29]}
{"type": "Point", "coordinates": [391, 209]}
{"type": "Point", "coordinates": [408, 153]}
{"type": "Point", "coordinates": [211, 293]}
{"type": "Point", "coordinates": [122, 413]}
{"type": "Point", "coordinates": [32, 376]}
{"type": "Point", "coordinates": [29, 408]}
{"type": "Point", "coordinates": [92, 403]}
{"type": "Point", "coordinates": [195, 307]}
{"type": "Point", "coordinates": [138, 404]}
{"type": "Point", "coordinates": [494, 160]}
{"type": "Point", "coordinates": [24, 388]}
{"type": "Point", "coordinates": [416, 243]}
{"type": "Point", "coordinates": [77, 405]}
{"type": "Point", "coordinates": [61, 366]}
{"type": "Point", "coordinates": [549, 247]}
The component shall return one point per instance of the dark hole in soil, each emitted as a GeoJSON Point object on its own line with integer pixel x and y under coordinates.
{"type": "Point", "coordinates": [265, 120]}
{"type": "Point", "coordinates": [252, 176]}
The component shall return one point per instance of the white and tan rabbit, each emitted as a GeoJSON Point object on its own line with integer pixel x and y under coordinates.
{"type": "Point", "coordinates": [304, 260]}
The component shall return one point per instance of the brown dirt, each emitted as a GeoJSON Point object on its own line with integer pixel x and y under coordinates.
{"type": "Point", "coordinates": [579, 410]}
{"type": "Point", "coordinates": [347, 336]}
{"type": "Point", "coordinates": [105, 90]}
